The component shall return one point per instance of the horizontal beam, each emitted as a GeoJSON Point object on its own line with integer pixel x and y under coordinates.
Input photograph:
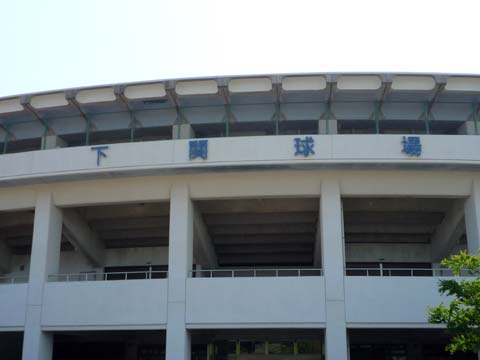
{"type": "Point", "coordinates": [389, 229]}
{"type": "Point", "coordinates": [262, 248]}
{"type": "Point", "coordinates": [130, 223]}
{"type": "Point", "coordinates": [393, 217]}
{"type": "Point", "coordinates": [388, 238]}
{"type": "Point", "coordinates": [292, 258]}
{"type": "Point", "coordinates": [134, 233]}
{"type": "Point", "coordinates": [262, 229]}
{"type": "Point", "coordinates": [264, 239]}
{"type": "Point", "coordinates": [126, 211]}
{"type": "Point", "coordinates": [262, 218]}
{"type": "Point", "coordinates": [137, 242]}
{"type": "Point", "coordinates": [258, 206]}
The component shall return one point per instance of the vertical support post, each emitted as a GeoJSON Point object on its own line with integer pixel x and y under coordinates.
{"type": "Point", "coordinates": [327, 118]}
{"type": "Point", "coordinates": [377, 118]}
{"type": "Point", "coordinates": [228, 119]}
{"type": "Point", "coordinates": [277, 118]}
{"type": "Point", "coordinates": [45, 133]}
{"type": "Point", "coordinates": [132, 127]}
{"type": "Point", "coordinates": [333, 262]}
{"type": "Point", "coordinates": [45, 260]}
{"type": "Point", "coordinates": [87, 132]}
{"type": "Point", "coordinates": [180, 259]}
{"type": "Point", "coordinates": [5, 142]}
{"type": "Point", "coordinates": [179, 122]}
{"type": "Point", "coordinates": [472, 218]}
{"type": "Point", "coordinates": [475, 117]}
{"type": "Point", "coordinates": [426, 113]}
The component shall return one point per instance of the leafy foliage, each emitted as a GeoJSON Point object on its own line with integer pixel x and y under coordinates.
{"type": "Point", "coordinates": [462, 315]}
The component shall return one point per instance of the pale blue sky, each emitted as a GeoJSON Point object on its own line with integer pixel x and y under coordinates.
{"type": "Point", "coordinates": [54, 44]}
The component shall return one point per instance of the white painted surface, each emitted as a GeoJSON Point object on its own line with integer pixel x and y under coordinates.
{"type": "Point", "coordinates": [148, 91]}
{"type": "Point", "coordinates": [95, 95]}
{"type": "Point", "coordinates": [296, 300]}
{"type": "Point", "coordinates": [359, 82]}
{"type": "Point", "coordinates": [250, 85]}
{"type": "Point", "coordinates": [10, 105]}
{"type": "Point", "coordinates": [105, 303]}
{"type": "Point", "coordinates": [240, 151]}
{"type": "Point", "coordinates": [304, 83]}
{"type": "Point", "coordinates": [48, 101]}
{"type": "Point", "coordinates": [457, 83]}
{"type": "Point", "coordinates": [180, 254]}
{"type": "Point", "coordinates": [13, 305]}
{"type": "Point", "coordinates": [395, 300]}
{"type": "Point", "coordinates": [413, 83]}
{"type": "Point", "coordinates": [202, 87]}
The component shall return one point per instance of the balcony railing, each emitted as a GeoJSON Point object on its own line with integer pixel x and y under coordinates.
{"type": "Point", "coordinates": [231, 273]}
{"type": "Point", "coordinates": [107, 276]}
{"type": "Point", "coordinates": [14, 279]}
{"type": "Point", "coordinates": [405, 272]}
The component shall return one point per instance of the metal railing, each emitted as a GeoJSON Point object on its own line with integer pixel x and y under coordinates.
{"type": "Point", "coordinates": [231, 273]}
{"type": "Point", "coordinates": [108, 276]}
{"type": "Point", "coordinates": [410, 272]}
{"type": "Point", "coordinates": [20, 279]}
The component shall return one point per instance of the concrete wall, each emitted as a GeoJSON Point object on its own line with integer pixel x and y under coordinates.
{"type": "Point", "coordinates": [109, 304]}
{"type": "Point", "coordinates": [388, 252]}
{"type": "Point", "coordinates": [397, 301]}
{"type": "Point", "coordinates": [13, 304]}
{"type": "Point", "coordinates": [298, 301]}
{"type": "Point", "coordinates": [239, 151]}
{"type": "Point", "coordinates": [74, 262]}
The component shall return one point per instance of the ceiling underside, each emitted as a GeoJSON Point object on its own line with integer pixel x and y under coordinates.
{"type": "Point", "coordinates": [393, 220]}
{"type": "Point", "coordinates": [262, 232]}
{"type": "Point", "coordinates": [259, 109]}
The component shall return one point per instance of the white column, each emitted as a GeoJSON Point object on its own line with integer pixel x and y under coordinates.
{"type": "Point", "coordinates": [472, 218]}
{"type": "Point", "coordinates": [182, 131]}
{"type": "Point", "coordinates": [45, 259]}
{"type": "Point", "coordinates": [180, 259]}
{"type": "Point", "coordinates": [336, 345]}
{"type": "Point", "coordinates": [52, 142]}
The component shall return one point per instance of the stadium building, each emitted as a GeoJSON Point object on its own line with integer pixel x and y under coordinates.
{"type": "Point", "coordinates": [269, 217]}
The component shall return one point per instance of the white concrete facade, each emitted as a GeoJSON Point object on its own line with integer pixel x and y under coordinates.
{"type": "Point", "coordinates": [58, 184]}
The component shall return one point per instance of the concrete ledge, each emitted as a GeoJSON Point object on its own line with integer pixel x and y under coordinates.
{"type": "Point", "coordinates": [202, 87]}
{"type": "Point", "coordinates": [463, 84]}
{"type": "Point", "coordinates": [95, 96]}
{"type": "Point", "coordinates": [148, 91]}
{"type": "Point", "coordinates": [359, 82]}
{"type": "Point", "coordinates": [10, 105]}
{"type": "Point", "coordinates": [249, 85]}
{"type": "Point", "coordinates": [49, 101]}
{"type": "Point", "coordinates": [304, 83]}
{"type": "Point", "coordinates": [413, 83]}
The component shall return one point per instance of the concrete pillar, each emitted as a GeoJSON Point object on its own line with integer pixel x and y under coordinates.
{"type": "Point", "coordinates": [333, 261]}
{"type": "Point", "coordinates": [52, 142]}
{"type": "Point", "coordinates": [332, 126]}
{"type": "Point", "coordinates": [467, 128]}
{"type": "Point", "coordinates": [180, 260]}
{"type": "Point", "coordinates": [182, 131]}
{"type": "Point", "coordinates": [472, 221]}
{"type": "Point", "coordinates": [45, 259]}
{"type": "Point", "coordinates": [472, 218]}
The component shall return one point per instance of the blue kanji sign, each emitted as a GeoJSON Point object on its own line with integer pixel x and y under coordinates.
{"type": "Point", "coordinates": [304, 146]}
{"type": "Point", "coordinates": [100, 153]}
{"type": "Point", "coordinates": [411, 145]}
{"type": "Point", "coordinates": [198, 149]}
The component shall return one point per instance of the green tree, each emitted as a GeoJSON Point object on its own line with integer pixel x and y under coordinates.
{"type": "Point", "coordinates": [462, 315]}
